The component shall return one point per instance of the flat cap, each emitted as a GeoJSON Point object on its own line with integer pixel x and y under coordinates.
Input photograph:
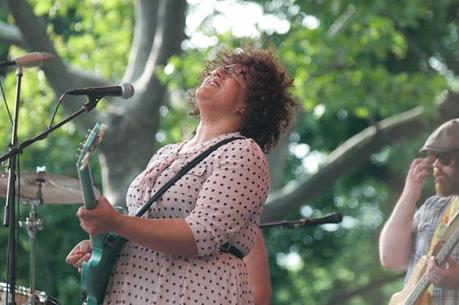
{"type": "Point", "coordinates": [445, 138]}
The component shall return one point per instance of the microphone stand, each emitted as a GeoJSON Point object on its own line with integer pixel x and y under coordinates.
{"type": "Point", "coordinates": [306, 222]}
{"type": "Point", "coordinates": [14, 149]}
{"type": "Point", "coordinates": [10, 213]}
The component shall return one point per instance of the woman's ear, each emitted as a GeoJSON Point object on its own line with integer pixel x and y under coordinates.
{"type": "Point", "coordinates": [242, 110]}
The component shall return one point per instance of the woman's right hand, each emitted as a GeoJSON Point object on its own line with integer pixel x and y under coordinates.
{"type": "Point", "coordinates": [79, 254]}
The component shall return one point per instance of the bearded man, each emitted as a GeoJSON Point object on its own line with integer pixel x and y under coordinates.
{"type": "Point", "coordinates": [411, 233]}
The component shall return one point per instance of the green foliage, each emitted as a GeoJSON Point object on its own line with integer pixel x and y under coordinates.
{"type": "Point", "coordinates": [354, 63]}
{"type": "Point", "coordinates": [93, 35]}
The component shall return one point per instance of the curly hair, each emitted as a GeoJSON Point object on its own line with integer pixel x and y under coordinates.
{"type": "Point", "coordinates": [269, 104]}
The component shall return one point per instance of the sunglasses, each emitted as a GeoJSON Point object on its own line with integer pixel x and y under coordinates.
{"type": "Point", "coordinates": [445, 158]}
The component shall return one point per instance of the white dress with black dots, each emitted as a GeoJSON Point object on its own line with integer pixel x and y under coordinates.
{"type": "Point", "coordinates": [221, 200]}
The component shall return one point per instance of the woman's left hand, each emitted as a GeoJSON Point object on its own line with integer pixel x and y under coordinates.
{"type": "Point", "coordinates": [103, 218]}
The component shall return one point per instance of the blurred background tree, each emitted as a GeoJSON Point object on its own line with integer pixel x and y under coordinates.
{"type": "Point", "coordinates": [373, 78]}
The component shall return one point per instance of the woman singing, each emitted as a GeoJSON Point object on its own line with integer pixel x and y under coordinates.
{"type": "Point", "coordinates": [187, 248]}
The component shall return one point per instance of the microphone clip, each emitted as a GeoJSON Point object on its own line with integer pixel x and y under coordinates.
{"type": "Point", "coordinates": [92, 102]}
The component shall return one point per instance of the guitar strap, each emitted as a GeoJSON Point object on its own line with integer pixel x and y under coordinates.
{"type": "Point", "coordinates": [227, 247]}
{"type": "Point", "coordinates": [182, 172]}
{"type": "Point", "coordinates": [445, 226]}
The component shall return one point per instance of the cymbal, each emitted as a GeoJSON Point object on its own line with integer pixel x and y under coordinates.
{"type": "Point", "coordinates": [55, 190]}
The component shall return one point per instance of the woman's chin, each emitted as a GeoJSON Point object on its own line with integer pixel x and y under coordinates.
{"type": "Point", "coordinates": [204, 92]}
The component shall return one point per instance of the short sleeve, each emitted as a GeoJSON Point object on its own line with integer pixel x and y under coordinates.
{"type": "Point", "coordinates": [423, 214]}
{"type": "Point", "coordinates": [231, 197]}
{"type": "Point", "coordinates": [417, 216]}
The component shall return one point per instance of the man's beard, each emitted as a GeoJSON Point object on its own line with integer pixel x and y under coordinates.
{"type": "Point", "coordinates": [446, 187]}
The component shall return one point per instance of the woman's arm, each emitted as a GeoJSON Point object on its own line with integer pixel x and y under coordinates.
{"type": "Point", "coordinates": [172, 236]}
{"type": "Point", "coordinates": [258, 269]}
{"type": "Point", "coordinates": [229, 197]}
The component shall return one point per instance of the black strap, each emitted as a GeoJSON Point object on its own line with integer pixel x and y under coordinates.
{"type": "Point", "coordinates": [182, 172]}
{"type": "Point", "coordinates": [229, 248]}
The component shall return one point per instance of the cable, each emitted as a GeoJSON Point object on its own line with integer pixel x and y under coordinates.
{"type": "Point", "coordinates": [55, 109]}
{"type": "Point", "coordinates": [6, 104]}
{"type": "Point", "coordinates": [18, 213]}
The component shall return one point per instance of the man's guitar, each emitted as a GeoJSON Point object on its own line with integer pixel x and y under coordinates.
{"type": "Point", "coordinates": [413, 292]}
{"type": "Point", "coordinates": [105, 247]}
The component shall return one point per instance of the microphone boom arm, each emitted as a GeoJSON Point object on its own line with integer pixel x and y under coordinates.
{"type": "Point", "coordinates": [305, 222]}
{"type": "Point", "coordinates": [91, 104]}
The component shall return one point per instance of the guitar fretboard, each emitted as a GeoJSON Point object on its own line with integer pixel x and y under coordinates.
{"type": "Point", "coordinates": [440, 259]}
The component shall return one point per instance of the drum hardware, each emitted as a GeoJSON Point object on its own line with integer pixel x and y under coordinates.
{"type": "Point", "coordinates": [35, 190]}
{"type": "Point", "coordinates": [33, 224]}
{"type": "Point", "coordinates": [23, 296]}
{"type": "Point", "coordinates": [56, 189]}
{"type": "Point", "coordinates": [43, 188]}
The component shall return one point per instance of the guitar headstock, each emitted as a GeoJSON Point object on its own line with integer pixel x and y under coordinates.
{"type": "Point", "coordinates": [89, 144]}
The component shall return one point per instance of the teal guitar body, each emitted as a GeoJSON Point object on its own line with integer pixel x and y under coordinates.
{"type": "Point", "coordinates": [95, 273]}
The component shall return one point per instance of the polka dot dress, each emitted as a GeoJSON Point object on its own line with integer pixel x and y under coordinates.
{"type": "Point", "coordinates": [221, 200]}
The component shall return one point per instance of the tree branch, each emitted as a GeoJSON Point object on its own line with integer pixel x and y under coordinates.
{"type": "Point", "coordinates": [169, 34]}
{"type": "Point", "coordinates": [144, 33]}
{"type": "Point", "coordinates": [355, 152]}
{"type": "Point", "coordinates": [123, 119]}
{"type": "Point", "coordinates": [450, 58]}
{"type": "Point", "coordinates": [277, 159]}
{"type": "Point", "coordinates": [342, 21]}
{"type": "Point", "coordinates": [342, 297]}
{"type": "Point", "coordinates": [10, 34]}
{"type": "Point", "coordinates": [142, 112]}
{"type": "Point", "coordinates": [33, 30]}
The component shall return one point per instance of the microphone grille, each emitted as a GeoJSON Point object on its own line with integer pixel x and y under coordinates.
{"type": "Point", "coordinates": [47, 56]}
{"type": "Point", "coordinates": [33, 59]}
{"type": "Point", "coordinates": [127, 90]}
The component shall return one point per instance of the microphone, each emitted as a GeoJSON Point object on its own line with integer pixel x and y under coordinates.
{"type": "Point", "coordinates": [30, 60]}
{"type": "Point", "coordinates": [125, 91]}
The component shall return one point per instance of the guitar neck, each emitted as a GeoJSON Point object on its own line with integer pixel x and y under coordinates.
{"type": "Point", "coordinates": [446, 249]}
{"type": "Point", "coordinates": [89, 198]}
{"type": "Point", "coordinates": [417, 292]}
{"type": "Point", "coordinates": [440, 259]}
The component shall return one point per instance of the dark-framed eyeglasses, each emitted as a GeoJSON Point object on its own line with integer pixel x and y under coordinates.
{"type": "Point", "coordinates": [235, 71]}
{"type": "Point", "coordinates": [445, 158]}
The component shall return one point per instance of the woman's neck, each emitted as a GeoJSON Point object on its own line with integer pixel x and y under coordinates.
{"type": "Point", "coordinates": [209, 130]}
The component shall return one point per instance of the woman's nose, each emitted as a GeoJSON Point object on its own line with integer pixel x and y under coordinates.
{"type": "Point", "coordinates": [220, 72]}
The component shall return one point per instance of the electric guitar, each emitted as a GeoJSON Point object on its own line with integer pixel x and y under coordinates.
{"type": "Point", "coordinates": [106, 246]}
{"type": "Point", "coordinates": [413, 292]}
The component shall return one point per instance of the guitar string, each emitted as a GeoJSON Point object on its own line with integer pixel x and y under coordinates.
{"type": "Point", "coordinates": [423, 282]}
